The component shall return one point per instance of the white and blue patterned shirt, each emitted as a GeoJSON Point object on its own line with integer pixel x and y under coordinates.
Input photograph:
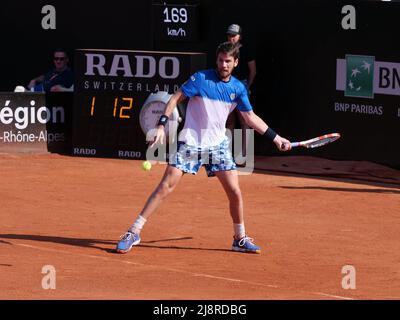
{"type": "Point", "coordinates": [211, 101]}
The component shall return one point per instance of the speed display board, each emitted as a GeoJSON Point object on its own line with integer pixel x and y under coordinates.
{"type": "Point", "coordinates": [110, 89]}
{"type": "Point", "coordinates": [176, 22]}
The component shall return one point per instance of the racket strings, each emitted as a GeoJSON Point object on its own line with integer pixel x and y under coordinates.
{"type": "Point", "coordinates": [322, 142]}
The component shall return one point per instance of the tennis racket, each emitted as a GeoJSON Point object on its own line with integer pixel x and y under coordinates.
{"type": "Point", "coordinates": [317, 142]}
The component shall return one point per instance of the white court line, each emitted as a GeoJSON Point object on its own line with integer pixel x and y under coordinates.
{"type": "Point", "coordinates": [330, 295]}
{"type": "Point", "coordinates": [177, 270]}
{"type": "Point", "coordinates": [234, 280]}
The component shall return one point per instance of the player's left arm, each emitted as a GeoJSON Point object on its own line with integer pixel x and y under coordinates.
{"type": "Point", "coordinates": [258, 124]}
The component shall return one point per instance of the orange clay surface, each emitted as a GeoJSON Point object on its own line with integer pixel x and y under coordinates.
{"type": "Point", "coordinates": [69, 212]}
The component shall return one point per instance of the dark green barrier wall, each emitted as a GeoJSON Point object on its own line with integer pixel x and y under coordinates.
{"type": "Point", "coordinates": [299, 45]}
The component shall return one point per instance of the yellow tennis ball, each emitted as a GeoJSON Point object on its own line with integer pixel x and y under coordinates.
{"type": "Point", "coordinates": [146, 165]}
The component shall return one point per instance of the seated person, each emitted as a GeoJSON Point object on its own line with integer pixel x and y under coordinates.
{"type": "Point", "coordinates": [56, 80]}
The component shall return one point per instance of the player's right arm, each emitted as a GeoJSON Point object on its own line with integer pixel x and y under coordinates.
{"type": "Point", "coordinates": [189, 89]}
{"type": "Point", "coordinates": [177, 97]}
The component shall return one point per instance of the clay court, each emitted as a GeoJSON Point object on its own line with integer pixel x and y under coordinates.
{"type": "Point", "coordinates": [69, 212]}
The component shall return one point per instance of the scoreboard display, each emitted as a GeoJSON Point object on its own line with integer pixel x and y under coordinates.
{"type": "Point", "coordinates": [178, 22]}
{"type": "Point", "coordinates": [105, 125]}
{"type": "Point", "coordinates": [111, 87]}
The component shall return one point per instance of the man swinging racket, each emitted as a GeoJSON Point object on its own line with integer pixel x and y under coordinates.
{"type": "Point", "coordinates": [212, 94]}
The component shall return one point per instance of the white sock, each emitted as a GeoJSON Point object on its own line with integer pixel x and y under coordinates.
{"type": "Point", "coordinates": [239, 230]}
{"type": "Point", "coordinates": [138, 225]}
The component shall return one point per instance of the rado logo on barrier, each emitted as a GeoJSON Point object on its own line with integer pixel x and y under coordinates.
{"type": "Point", "coordinates": [145, 66]}
{"type": "Point", "coordinates": [85, 151]}
{"type": "Point", "coordinates": [111, 86]}
{"type": "Point", "coordinates": [129, 154]}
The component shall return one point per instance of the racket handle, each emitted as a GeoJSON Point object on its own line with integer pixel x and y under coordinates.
{"type": "Point", "coordinates": [295, 144]}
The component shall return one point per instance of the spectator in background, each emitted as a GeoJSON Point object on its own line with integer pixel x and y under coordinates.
{"type": "Point", "coordinates": [245, 72]}
{"type": "Point", "coordinates": [58, 79]}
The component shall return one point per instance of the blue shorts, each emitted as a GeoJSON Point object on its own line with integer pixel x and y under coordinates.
{"type": "Point", "coordinates": [189, 159]}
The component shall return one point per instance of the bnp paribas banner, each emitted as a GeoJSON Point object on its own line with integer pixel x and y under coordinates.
{"type": "Point", "coordinates": [374, 85]}
{"type": "Point", "coordinates": [367, 107]}
{"type": "Point", "coordinates": [363, 76]}
{"type": "Point", "coordinates": [357, 95]}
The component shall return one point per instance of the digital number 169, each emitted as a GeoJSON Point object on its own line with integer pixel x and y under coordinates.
{"type": "Point", "coordinates": [175, 15]}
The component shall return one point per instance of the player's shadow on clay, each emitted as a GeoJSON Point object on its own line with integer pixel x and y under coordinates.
{"type": "Point", "coordinates": [153, 244]}
{"type": "Point", "coordinates": [93, 243]}
{"type": "Point", "coordinates": [97, 243]}
{"type": "Point", "coordinates": [146, 245]}
{"type": "Point", "coordinates": [389, 191]}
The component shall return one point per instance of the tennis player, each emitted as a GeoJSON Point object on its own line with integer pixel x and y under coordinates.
{"type": "Point", "coordinates": [212, 94]}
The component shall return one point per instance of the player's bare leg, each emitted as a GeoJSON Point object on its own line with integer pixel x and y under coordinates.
{"type": "Point", "coordinates": [170, 180]}
{"type": "Point", "coordinates": [167, 184]}
{"type": "Point", "coordinates": [230, 183]}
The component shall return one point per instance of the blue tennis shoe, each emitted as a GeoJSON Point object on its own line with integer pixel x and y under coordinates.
{"type": "Point", "coordinates": [245, 245]}
{"type": "Point", "coordinates": [127, 241]}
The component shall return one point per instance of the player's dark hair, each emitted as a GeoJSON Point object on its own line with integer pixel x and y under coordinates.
{"type": "Point", "coordinates": [229, 48]}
